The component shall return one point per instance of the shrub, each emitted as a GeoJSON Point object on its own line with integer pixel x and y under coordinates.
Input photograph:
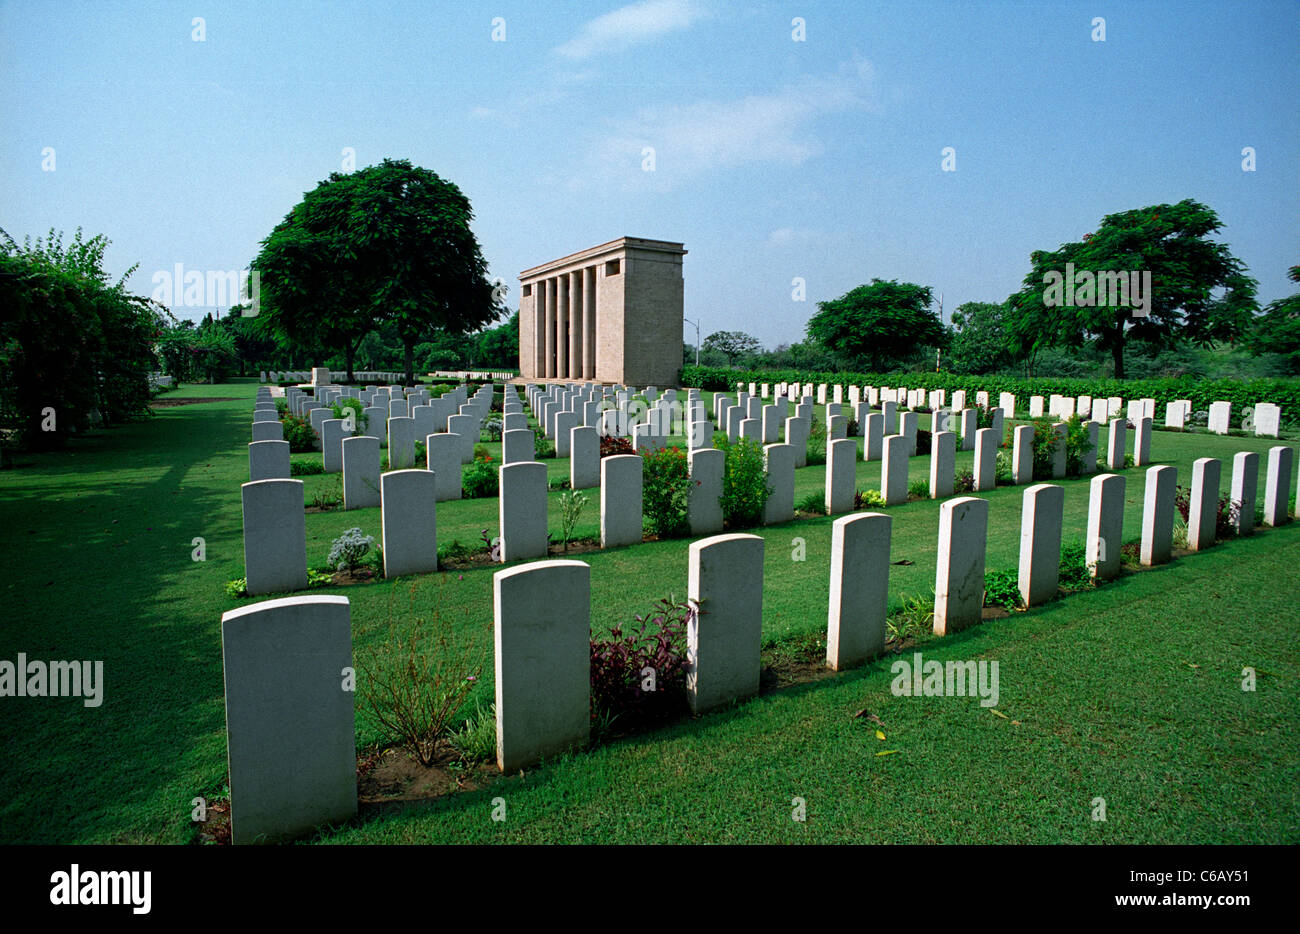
{"type": "Point", "coordinates": [348, 549]}
{"type": "Point", "coordinates": [418, 679]}
{"type": "Point", "coordinates": [924, 442]}
{"type": "Point", "coordinates": [544, 447]}
{"type": "Point", "coordinates": [612, 444]}
{"type": "Point", "coordinates": [914, 619]}
{"type": "Point", "coordinates": [1074, 571]}
{"type": "Point", "coordinates": [298, 432]}
{"type": "Point", "coordinates": [963, 482]}
{"type": "Point", "coordinates": [421, 452]}
{"type": "Point", "coordinates": [327, 498]}
{"type": "Point", "coordinates": [493, 426]}
{"type": "Point", "coordinates": [814, 503]}
{"type": "Point", "coordinates": [345, 407]}
{"type": "Point", "coordinates": [481, 478]}
{"type": "Point", "coordinates": [867, 499]}
{"type": "Point", "coordinates": [918, 489]}
{"type": "Point", "coordinates": [1225, 516]}
{"type": "Point", "coordinates": [571, 506]}
{"type": "Point", "coordinates": [1002, 588]}
{"type": "Point", "coordinates": [477, 738]}
{"type": "Point", "coordinates": [817, 442]}
{"type": "Point", "coordinates": [744, 483]}
{"type": "Point", "coordinates": [1002, 469]}
{"type": "Point", "coordinates": [665, 486]}
{"type": "Point", "coordinates": [453, 551]}
{"type": "Point", "coordinates": [1076, 446]}
{"type": "Point", "coordinates": [305, 468]}
{"type": "Point", "coordinates": [621, 685]}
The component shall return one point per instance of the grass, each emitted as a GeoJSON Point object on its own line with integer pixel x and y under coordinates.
{"type": "Point", "coordinates": [1130, 692]}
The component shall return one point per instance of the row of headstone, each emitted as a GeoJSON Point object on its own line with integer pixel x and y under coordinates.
{"type": "Point", "coordinates": [320, 376]}
{"type": "Point", "coordinates": [1264, 418]}
{"type": "Point", "coordinates": [289, 659]}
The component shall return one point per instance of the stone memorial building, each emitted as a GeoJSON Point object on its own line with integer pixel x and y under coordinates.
{"type": "Point", "coordinates": [610, 313]}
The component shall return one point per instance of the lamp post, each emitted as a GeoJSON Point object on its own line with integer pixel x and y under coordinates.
{"type": "Point", "coordinates": [697, 338]}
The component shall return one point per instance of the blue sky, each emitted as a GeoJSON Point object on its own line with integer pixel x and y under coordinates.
{"type": "Point", "coordinates": [774, 159]}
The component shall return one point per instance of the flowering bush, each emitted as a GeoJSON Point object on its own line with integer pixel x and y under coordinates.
{"type": "Point", "coordinates": [481, 478]}
{"type": "Point", "coordinates": [612, 444]}
{"type": "Point", "coordinates": [298, 432]}
{"type": "Point", "coordinates": [348, 549]}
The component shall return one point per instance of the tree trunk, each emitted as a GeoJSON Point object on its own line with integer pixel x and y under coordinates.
{"type": "Point", "coordinates": [1117, 353]}
{"type": "Point", "coordinates": [408, 352]}
{"type": "Point", "coordinates": [350, 352]}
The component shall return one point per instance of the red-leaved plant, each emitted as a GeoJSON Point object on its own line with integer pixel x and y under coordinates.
{"type": "Point", "coordinates": [650, 654]}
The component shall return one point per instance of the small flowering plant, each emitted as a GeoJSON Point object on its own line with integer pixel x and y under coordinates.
{"type": "Point", "coordinates": [481, 478]}
{"type": "Point", "coordinates": [349, 548]}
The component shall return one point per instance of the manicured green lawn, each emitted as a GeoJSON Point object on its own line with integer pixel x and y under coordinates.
{"type": "Point", "coordinates": [1130, 692]}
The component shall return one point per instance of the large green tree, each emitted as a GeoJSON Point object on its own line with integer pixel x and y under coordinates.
{"type": "Point", "coordinates": [1277, 330]}
{"type": "Point", "coordinates": [387, 244]}
{"type": "Point", "coordinates": [732, 344]}
{"type": "Point", "coordinates": [1096, 290]}
{"type": "Point", "coordinates": [879, 325]}
{"type": "Point", "coordinates": [71, 341]}
{"type": "Point", "coordinates": [979, 339]}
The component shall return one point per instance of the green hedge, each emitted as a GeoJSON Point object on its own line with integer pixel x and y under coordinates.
{"type": "Point", "coordinates": [1201, 392]}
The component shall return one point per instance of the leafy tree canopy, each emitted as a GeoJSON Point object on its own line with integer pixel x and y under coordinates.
{"type": "Point", "coordinates": [880, 325]}
{"type": "Point", "coordinates": [1277, 330]}
{"type": "Point", "coordinates": [391, 244]}
{"type": "Point", "coordinates": [732, 345]}
{"type": "Point", "coordinates": [1148, 275]}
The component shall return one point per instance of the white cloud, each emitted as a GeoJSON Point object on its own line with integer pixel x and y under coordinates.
{"type": "Point", "coordinates": [694, 138]}
{"type": "Point", "coordinates": [786, 236]}
{"type": "Point", "coordinates": [629, 25]}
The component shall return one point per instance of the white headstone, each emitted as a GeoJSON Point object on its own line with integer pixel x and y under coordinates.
{"type": "Point", "coordinates": [275, 535]}
{"type": "Point", "coordinates": [360, 472]}
{"type": "Point", "coordinates": [959, 575]}
{"type": "Point", "coordinates": [522, 510]}
{"type": "Point", "coordinates": [1158, 515]}
{"type": "Point", "coordinates": [290, 727]}
{"type": "Point", "coordinates": [943, 463]}
{"type": "Point", "coordinates": [410, 521]}
{"type": "Point", "coordinates": [859, 598]}
{"type": "Point", "coordinates": [620, 500]}
{"type": "Point", "coordinates": [707, 467]}
{"type": "Point", "coordinates": [724, 637]}
{"type": "Point", "coordinates": [1105, 525]}
{"type": "Point", "coordinates": [779, 459]}
{"type": "Point", "coordinates": [1204, 508]}
{"type": "Point", "coordinates": [841, 475]}
{"type": "Point", "coordinates": [268, 460]}
{"type": "Point", "coordinates": [542, 653]}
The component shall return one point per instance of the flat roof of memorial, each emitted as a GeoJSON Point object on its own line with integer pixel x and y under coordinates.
{"type": "Point", "coordinates": [622, 244]}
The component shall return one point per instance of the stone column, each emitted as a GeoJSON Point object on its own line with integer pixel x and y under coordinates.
{"type": "Point", "coordinates": [550, 330]}
{"type": "Point", "coordinates": [589, 322]}
{"type": "Point", "coordinates": [539, 329]}
{"type": "Point", "coordinates": [577, 340]}
{"type": "Point", "coordinates": [561, 328]}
